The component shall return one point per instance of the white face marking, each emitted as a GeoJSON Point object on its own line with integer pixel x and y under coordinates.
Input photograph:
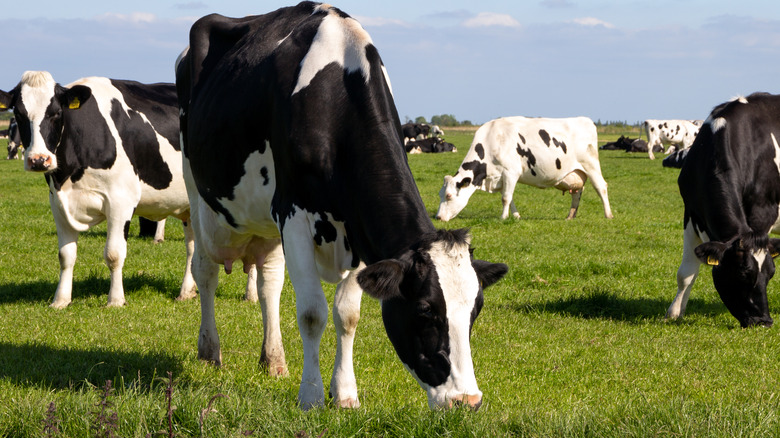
{"type": "Point", "coordinates": [760, 256]}
{"type": "Point", "coordinates": [452, 199]}
{"type": "Point", "coordinates": [37, 92]}
{"type": "Point", "coordinates": [460, 287]}
{"type": "Point", "coordinates": [338, 40]}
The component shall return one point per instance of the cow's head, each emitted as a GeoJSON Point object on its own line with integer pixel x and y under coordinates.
{"type": "Point", "coordinates": [431, 296]}
{"type": "Point", "coordinates": [40, 105]}
{"type": "Point", "coordinates": [455, 194]}
{"type": "Point", "coordinates": [741, 269]}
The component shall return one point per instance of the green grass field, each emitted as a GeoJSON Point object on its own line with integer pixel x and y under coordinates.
{"type": "Point", "coordinates": [571, 343]}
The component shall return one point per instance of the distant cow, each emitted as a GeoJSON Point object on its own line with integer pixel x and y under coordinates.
{"type": "Point", "coordinates": [676, 158]}
{"type": "Point", "coordinates": [677, 132]}
{"type": "Point", "coordinates": [14, 140]}
{"type": "Point", "coordinates": [429, 145]}
{"type": "Point", "coordinates": [412, 131]}
{"type": "Point", "coordinates": [730, 186]}
{"type": "Point", "coordinates": [436, 131]}
{"type": "Point", "coordinates": [629, 145]}
{"type": "Point", "coordinates": [343, 200]}
{"type": "Point", "coordinates": [108, 149]}
{"type": "Point", "coordinates": [560, 153]}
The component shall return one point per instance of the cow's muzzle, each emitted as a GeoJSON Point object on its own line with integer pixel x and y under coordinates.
{"type": "Point", "coordinates": [39, 163]}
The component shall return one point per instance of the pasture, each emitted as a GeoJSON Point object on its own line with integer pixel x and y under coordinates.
{"type": "Point", "coordinates": [572, 342]}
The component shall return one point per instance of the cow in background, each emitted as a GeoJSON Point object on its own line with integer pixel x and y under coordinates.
{"type": "Point", "coordinates": [680, 133]}
{"type": "Point", "coordinates": [560, 153]}
{"type": "Point", "coordinates": [415, 131]}
{"type": "Point", "coordinates": [14, 140]}
{"type": "Point", "coordinates": [730, 186]}
{"type": "Point", "coordinates": [343, 201]}
{"type": "Point", "coordinates": [429, 145]}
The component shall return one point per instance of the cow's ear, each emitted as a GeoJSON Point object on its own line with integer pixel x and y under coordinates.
{"type": "Point", "coordinates": [465, 182]}
{"type": "Point", "coordinates": [381, 280]}
{"type": "Point", "coordinates": [75, 96]}
{"type": "Point", "coordinates": [774, 247]}
{"type": "Point", "coordinates": [489, 273]}
{"type": "Point", "coordinates": [5, 100]}
{"type": "Point", "coordinates": [711, 253]}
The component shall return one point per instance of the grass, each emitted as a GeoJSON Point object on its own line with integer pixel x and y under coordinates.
{"type": "Point", "coordinates": [572, 342]}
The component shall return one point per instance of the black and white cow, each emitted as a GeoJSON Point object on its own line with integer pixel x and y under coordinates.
{"type": "Point", "coordinates": [14, 140]}
{"type": "Point", "coordinates": [429, 145]}
{"type": "Point", "coordinates": [730, 185]}
{"type": "Point", "coordinates": [412, 131]}
{"type": "Point", "coordinates": [339, 198]}
{"type": "Point", "coordinates": [560, 153]}
{"type": "Point", "coordinates": [108, 149]}
{"type": "Point", "coordinates": [676, 132]}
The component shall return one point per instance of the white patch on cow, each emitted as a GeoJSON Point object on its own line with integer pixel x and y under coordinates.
{"type": "Point", "coordinates": [460, 287]}
{"type": "Point", "coordinates": [760, 256]}
{"type": "Point", "coordinates": [253, 217]}
{"type": "Point", "coordinates": [740, 99]}
{"type": "Point", "coordinates": [339, 40]}
{"type": "Point", "coordinates": [333, 259]}
{"type": "Point", "coordinates": [37, 93]}
{"type": "Point", "coordinates": [717, 124]}
{"type": "Point", "coordinates": [387, 79]}
{"type": "Point", "coordinates": [777, 151]}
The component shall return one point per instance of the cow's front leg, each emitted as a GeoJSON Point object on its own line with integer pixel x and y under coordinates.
{"type": "Point", "coordinates": [269, 289]}
{"type": "Point", "coordinates": [346, 314]}
{"type": "Point", "coordinates": [686, 273]}
{"type": "Point", "coordinates": [311, 306]}
{"type": "Point", "coordinates": [67, 239]}
{"type": "Point", "coordinates": [509, 181]}
{"type": "Point", "coordinates": [114, 255]}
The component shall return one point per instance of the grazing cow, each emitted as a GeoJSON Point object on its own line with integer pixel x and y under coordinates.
{"type": "Point", "coordinates": [108, 149]}
{"type": "Point", "coordinates": [676, 158]}
{"type": "Point", "coordinates": [413, 131]}
{"type": "Point", "coordinates": [429, 145]}
{"type": "Point", "coordinates": [14, 140]}
{"type": "Point", "coordinates": [339, 198]}
{"type": "Point", "coordinates": [560, 153]}
{"type": "Point", "coordinates": [730, 185]}
{"type": "Point", "coordinates": [677, 132]}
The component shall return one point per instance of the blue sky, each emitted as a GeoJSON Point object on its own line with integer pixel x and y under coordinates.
{"type": "Point", "coordinates": [478, 60]}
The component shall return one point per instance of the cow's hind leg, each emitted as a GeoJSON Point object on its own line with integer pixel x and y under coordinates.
{"type": "Point", "coordinates": [593, 171]}
{"type": "Point", "coordinates": [686, 273]}
{"type": "Point", "coordinates": [269, 289]}
{"type": "Point", "coordinates": [115, 253]}
{"type": "Point", "coordinates": [67, 239]}
{"type": "Point", "coordinates": [206, 271]}
{"type": "Point", "coordinates": [188, 286]}
{"type": "Point", "coordinates": [346, 314]}
{"type": "Point", "coordinates": [508, 183]}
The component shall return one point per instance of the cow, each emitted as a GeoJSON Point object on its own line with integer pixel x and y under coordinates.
{"type": "Point", "coordinates": [678, 132]}
{"type": "Point", "coordinates": [108, 149]}
{"type": "Point", "coordinates": [540, 152]}
{"type": "Point", "coordinates": [429, 145]}
{"type": "Point", "coordinates": [730, 186]}
{"type": "Point", "coordinates": [436, 131]}
{"type": "Point", "coordinates": [413, 131]}
{"type": "Point", "coordinates": [14, 140]}
{"type": "Point", "coordinates": [676, 159]}
{"type": "Point", "coordinates": [629, 145]}
{"type": "Point", "coordinates": [150, 228]}
{"type": "Point", "coordinates": [343, 201]}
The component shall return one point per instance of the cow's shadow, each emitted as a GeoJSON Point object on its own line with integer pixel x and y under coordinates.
{"type": "Point", "coordinates": [91, 286]}
{"type": "Point", "coordinates": [68, 368]}
{"type": "Point", "coordinates": [610, 306]}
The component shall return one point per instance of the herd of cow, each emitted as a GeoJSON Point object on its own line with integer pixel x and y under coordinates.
{"type": "Point", "coordinates": [300, 188]}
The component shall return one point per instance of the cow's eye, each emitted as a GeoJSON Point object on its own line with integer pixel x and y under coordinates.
{"type": "Point", "coordinates": [424, 310]}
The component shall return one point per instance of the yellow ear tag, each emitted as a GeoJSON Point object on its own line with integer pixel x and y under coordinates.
{"type": "Point", "coordinates": [775, 254]}
{"type": "Point", "coordinates": [75, 103]}
{"type": "Point", "coordinates": [2, 106]}
{"type": "Point", "coordinates": [712, 261]}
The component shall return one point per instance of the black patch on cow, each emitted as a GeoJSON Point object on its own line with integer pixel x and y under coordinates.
{"type": "Point", "coordinates": [522, 139]}
{"type": "Point", "coordinates": [558, 163]}
{"type": "Point", "coordinates": [155, 101]}
{"type": "Point", "coordinates": [560, 144]}
{"type": "Point", "coordinates": [141, 146]}
{"type": "Point", "coordinates": [480, 150]}
{"type": "Point", "coordinates": [528, 154]}
{"type": "Point", "coordinates": [264, 174]}
{"type": "Point", "coordinates": [545, 136]}
{"type": "Point", "coordinates": [478, 168]}
{"type": "Point", "coordinates": [324, 232]}
{"type": "Point", "coordinates": [127, 229]}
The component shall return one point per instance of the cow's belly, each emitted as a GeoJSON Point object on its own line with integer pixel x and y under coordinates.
{"type": "Point", "coordinates": [85, 204]}
{"type": "Point", "coordinates": [549, 170]}
{"type": "Point", "coordinates": [159, 204]}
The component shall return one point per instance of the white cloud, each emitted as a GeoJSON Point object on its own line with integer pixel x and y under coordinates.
{"type": "Point", "coordinates": [593, 22]}
{"type": "Point", "coordinates": [489, 19]}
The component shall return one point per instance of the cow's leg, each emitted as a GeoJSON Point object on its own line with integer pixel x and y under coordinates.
{"type": "Point", "coordinates": [686, 273]}
{"type": "Point", "coordinates": [509, 181]}
{"type": "Point", "coordinates": [206, 271]}
{"type": "Point", "coordinates": [115, 253]}
{"type": "Point", "coordinates": [67, 239]}
{"type": "Point", "coordinates": [346, 314]}
{"type": "Point", "coordinates": [269, 286]}
{"type": "Point", "coordinates": [593, 171]}
{"type": "Point", "coordinates": [159, 232]}
{"type": "Point", "coordinates": [650, 145]}
{"type": "Point", "coordinates": [575, 203]}
{"type": "Point", "coordinates": [311, 306]}
{"type": "Point", "coordinates": [188, 287]}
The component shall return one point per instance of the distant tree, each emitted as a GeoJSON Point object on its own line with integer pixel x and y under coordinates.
{"type": "Point", "coordinates": [420, 119]}
{"type": "Point", "coordinates": [444, 120]}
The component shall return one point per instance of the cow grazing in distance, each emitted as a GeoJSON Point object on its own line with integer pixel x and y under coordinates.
{"type": "Point", "coordinates": [730, 186]}
{"type": "Point", "coordinates": [681, 133]}
{"type": "Point", "coordinates": [108, 149]}
{"type": "Point", "coordinates": [429, 145]}
{"type": "Point", "coordinates": [560, 153]}
{"type": "Point", "coordinates": [342, 200]}
{"type": "Point", "coordinates": [14, 140]}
